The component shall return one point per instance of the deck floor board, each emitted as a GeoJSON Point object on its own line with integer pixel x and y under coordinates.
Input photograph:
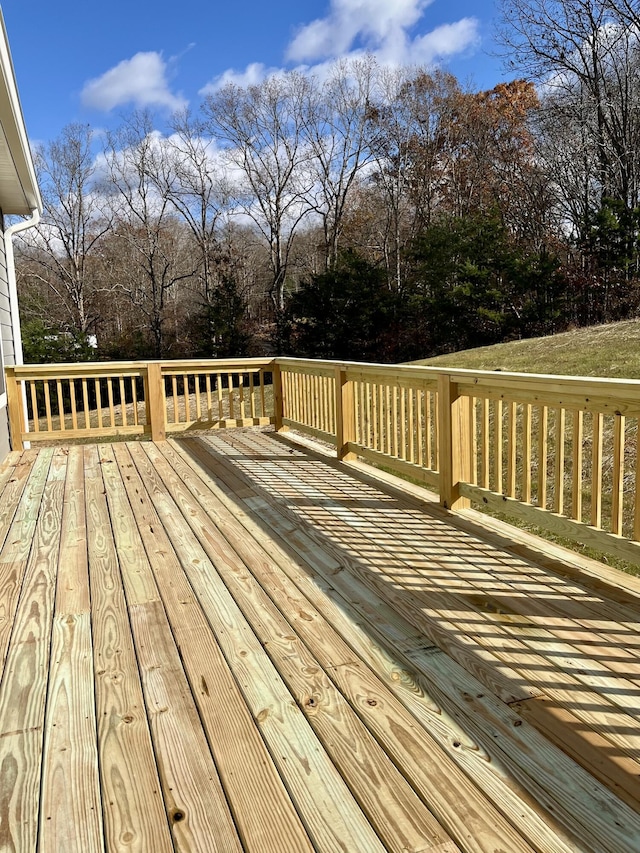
{"type": "Point", "coordinates": [232, 642]}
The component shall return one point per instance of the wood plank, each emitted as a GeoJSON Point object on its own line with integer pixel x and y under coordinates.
{"type": "Point", "coordinates": [400, 681]}
{"type": "Point", "coordinates": [328, 810]}
{"type": "Point", "coordinates": [13, 479]}
{"type": "Point", "coordinates": [134, 813]}
{"type": "Point", "coordinates": [24, 684]}
{"type": "Point", "coordinates": [71, 815]}
{"type": "Point", "coordinates": [194, 798]}
{"type": "Point", "coordinates": [439, 618]}
{"type": "Point", "coordinates": [588, 748]}
{"type": "Point", "coordinates": [263, 811]}
{"type": "Point", "coordinates": [390, 804]}
{"type": "Point", "coordinates": [18, 543]}
{"type": "Point", "coordinates": [332, 574]}
{"type": "Point", "coordinates": [195, 802]}
{"type": "Point", "coordinates": [560, 679]}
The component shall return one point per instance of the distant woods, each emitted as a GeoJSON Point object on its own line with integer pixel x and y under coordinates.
{"type": "Point", "coordinates": [376, 214]}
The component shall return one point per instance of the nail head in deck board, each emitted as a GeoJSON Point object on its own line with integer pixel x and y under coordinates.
{"type": "Point", "coordinates": [399, 818]}
{"type": "Point", "coordinates": [321, 797]}
{"type": "Point", "coordinates": [134, 813]}
{"type": "Point", "coordinates": [262, 808]}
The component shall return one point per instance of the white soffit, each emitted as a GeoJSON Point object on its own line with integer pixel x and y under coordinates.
{"type": "Point", "coordinates": [19, 192]}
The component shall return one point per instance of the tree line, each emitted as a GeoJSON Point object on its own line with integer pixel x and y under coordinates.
{"type": "Point", "coordinates": [374, 213]}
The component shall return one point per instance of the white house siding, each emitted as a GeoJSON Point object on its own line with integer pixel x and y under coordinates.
{"type": "Point", "coordinates": [8, 352]}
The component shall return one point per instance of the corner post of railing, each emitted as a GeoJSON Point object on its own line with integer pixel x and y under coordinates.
{"type": "Point", "coordinates": [15, 409]}
{"type": "Point", "coordinates": [155, 403]}
{"type": "Point", "coordinates": [345, 414]}
{"type": "Point", "coordinates": [454, 441]}
{"type": "Point", "coordinates": [278, 398]}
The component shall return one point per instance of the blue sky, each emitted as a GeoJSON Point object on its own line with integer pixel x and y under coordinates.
{"type": "Point", "coordinates": [91, 63]}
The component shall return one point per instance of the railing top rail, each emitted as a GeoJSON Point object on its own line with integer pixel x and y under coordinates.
{"type": "Point", "coordinates": [134, 368]}
{"type": "Point", "coordinates": [502, 377]}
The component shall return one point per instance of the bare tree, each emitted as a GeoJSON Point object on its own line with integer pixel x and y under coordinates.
{"type": "Point", "coordinates": [74, 221]}
{"type": "Point", "coordinates": [585, 52]}
{"type": "Point", "coordinates": [262, 129]}
{"type": "Point", "coordinates": [154, 245]}
{"type": "Point", "coordinates": [339, 129]}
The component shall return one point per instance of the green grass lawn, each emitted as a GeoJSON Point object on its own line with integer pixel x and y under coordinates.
{"type": "Point", "coordinates": [612, 350]}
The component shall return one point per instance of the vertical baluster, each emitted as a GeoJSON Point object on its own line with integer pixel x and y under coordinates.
{"type": "Point", "coordinates": [558, 500]}
{"type": "Point", "coordinates": [617, 491]}
{"type": "Point", "coordinates": [174, 395]}
{"type": "Point", "coordinates": [512, 449]}
{"type": "Point", "coordinates": [576, 479]}
{"type": "Point", "coordinates": [497, 450]}
{"type": "Point", "coordinates": [34, 406]}
{"type": "Point", "coordinates": [636, 504]}
{"type": "Point", "coordinates": [596, 470]}
{"type": "Point", "coordinates": [230, 395]}
{"type": "Point", "coordinates": [403, 423]}
{"type": "Point", "coordinates": [47, 404]}
{"type": "Point", "coordinates": [526, 453]}
{"type": "Point", "coordinates": [543, 438]}
{"type": "Point", "coordinates": [207, 382]}
{"type": "Point", "coordinates": [61, 416]}
{"type": "Point", "coordinates": [85, 404]}
{"type": "Point", "coordinates": [387, 411]}
{"type": "Point", "coordinates": [98, 391]}
{"type": "Point", "coordinates": [123, 402]}
{"type": "Point", "coordinates": [427, 430]}
{"type": "Point", "coordinates": [185, 397]}
{"type": "Point", "coordinates": [252, 395]}
{"type": "Point", "coordinates": [410, 418]}
{"type": "Point", "coordinates": [419, 427]}
{"type": "Point", "coordinates": [72, 397]}
{"type": "Point", "coordinates": [219, 396]}
{"type": "Point", "coordinates": [112, 414]}
{"type": "Point", "coordinates": [484, 414]}
{"type": "Point", "coordinates": [134, 400]}
{"type": "Point", "coordinates": [241, 395]}
{"type": "Point", "coordinates": [196, 383]}
{"type": "Point", "coordinates": [263, 405]}
{"type": "Point", "coordinates": [473, 439]}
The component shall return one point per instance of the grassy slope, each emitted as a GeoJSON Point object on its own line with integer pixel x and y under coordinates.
{"type": "Point", "coordinates": [612, 350]}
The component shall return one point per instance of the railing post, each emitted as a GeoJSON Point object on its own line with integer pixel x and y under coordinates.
{"type": "Point", "coordinates": [15, 409]}
{"type": "Point", "coordinates": [278, 398]}
{"type": "Point", "coordinates": [345, 415]}
{"type": "Point", "coordinates": [154, 398]}
{"type": "Point", "coordinates": [454, 442]}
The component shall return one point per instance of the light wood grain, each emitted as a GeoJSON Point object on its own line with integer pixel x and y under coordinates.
{"type": "Point", "coordinates": [134, 815]}
{"type": "Point", "coordinates": [389, 803]}
{"type": "Point", "coordinates": [23, 686]}
{"type": "Point", "coordinates": [263, 811]}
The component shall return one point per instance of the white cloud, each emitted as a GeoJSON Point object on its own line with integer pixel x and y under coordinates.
{"type": "Point", "coordinates": [382, 28]}
{"type": "Point", "coordinates": [253, 74]}
{"type": "Point", "coordinates": [385, 29]}
{"type": "Point", "coordinates": [141, 80]}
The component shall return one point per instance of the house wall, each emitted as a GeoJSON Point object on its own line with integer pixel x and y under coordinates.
{"type": "Point", "coordinates": [6, 347]}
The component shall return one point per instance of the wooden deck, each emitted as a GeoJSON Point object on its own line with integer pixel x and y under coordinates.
{"type": "Point", "coordinates": [230, 643]}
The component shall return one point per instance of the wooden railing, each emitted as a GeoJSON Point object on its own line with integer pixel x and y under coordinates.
{"type": "Point", "coordinates": [560, 453]}
{"type": "Point", "coordinates": [71, 401]}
